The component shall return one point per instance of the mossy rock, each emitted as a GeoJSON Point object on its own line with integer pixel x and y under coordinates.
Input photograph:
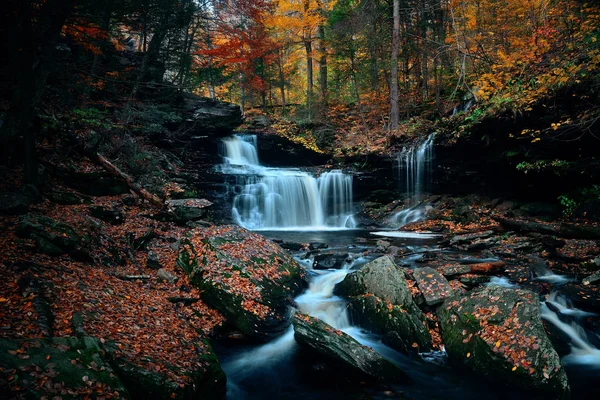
{"type": "Point", "coordinates": [70, 368]}
{"type": "Point", "coordinates": [206, 382]}
{"type": "Point", "coordinates": [343, 350]}
{"type": "Point", "coordinates": [498, 332]}
{"type": "Point", "coordinates": [52, 237]}
{"type": "Point", "coordinates": [404, 329]}
{"type": "Point", "coordinates": [247, 277]}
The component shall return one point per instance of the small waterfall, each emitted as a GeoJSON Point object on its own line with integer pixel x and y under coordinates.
{"type": "Point", "coordinates": [415, 166]}
{"type": "Point", "coordinates": [284, 198]}
{"type": "Point", "coordinates": [559, 312]}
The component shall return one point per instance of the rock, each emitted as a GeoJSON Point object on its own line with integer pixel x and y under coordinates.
{"type": "Point", "coordinates": [404, 328]}
{"type": "Point", "coordinates": [52, 237]}
{"type": "Point", "coordinates": [394, 251]}
{"type": "Point", "coordinates": [330, 260]}
{"type": "Point", "coordinates": [184, 210]}
{"type": "Point", "coordinates": [454, 270]}
{"type": "Point", "coordinates": [317, 246]}
{"type": "Point", "coordinates": [247, 277]}
{"type": "Point", "coordinates": [382, 245]}
{"type": "Point", "coordinates": [13, 203]}
{"type": "Point", "coordinates": [381, 302]}
{"type": "Point", "coordinates": [259, 121]}
{"type": "Point", "coordinates": [207, 381]}
{"type": "Point", "coordinates": [99, 183]}
{"type": "Point", "coordinates": [61, 364]}
{"type": "Point", "coordinates": [292, 246]}
{"type": "Point", "coordinates": [67, 198]}
{"type": "Point", "coordinates": [164, 275]}
{"type": "Point", "coordinates": [498, 332]}
{"type": "Point", "coordinates": [471, 280]}
{"type": "Point", "coordinates": [464, 213]}
{"type": "Point", "coordinates": [112, 215]}
{"type": "Point", "coordinates": [204, 115]}
{"type": "Point", "coordinates": [380, 277]}
{"type": "Point", "coordinates": [468, 238]}
{"type": "Point", "coordinates": [505, 206]}
{"type": "Point", "coordinates": [152, 261]}
{"type": "Point", "coordinates": [433, 285]}
{"type": "Point", "coordinates": [539, 210]}
{"type": "Point", "coordinates": [342, 349]}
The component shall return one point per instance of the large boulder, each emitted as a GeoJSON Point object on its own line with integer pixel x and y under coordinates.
{"type": "Point", "coordinates": [342, 349]}
{"type": "Point", "coordinates": [244, 275]}
{"type": "Point", "coordinates": [380, 277]}
{"type": "Point", "coordinates": [403, 327]}
{"type": "Point", "coordinates": [204, 115]}
{"type": "Point", "coordinates": [57, 368]}
{"type": "Point", "coordinates": [206, 381]}
{"type": "Point", "coordinates": [52, 237]}
{"type": "Point", "coordinates": [382, 303]}
{"type": "Point", "coordinates": [498, 332]}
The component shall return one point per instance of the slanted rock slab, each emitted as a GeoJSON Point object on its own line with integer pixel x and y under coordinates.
{"type": "Point", "coordinates": [433, 285]}
{"type": "Point", "coordinates": [498, 332]}
{"type": "Point", "coordinates": [343, 350]}
{"type": "Point", "coordinates": [184, 210]}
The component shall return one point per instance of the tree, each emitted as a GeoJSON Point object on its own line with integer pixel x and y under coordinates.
{"type": "Point", "coordinates": [394, 99]}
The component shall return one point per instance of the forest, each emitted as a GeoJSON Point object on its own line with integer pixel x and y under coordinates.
{"type": "Point", "coordinates": [291, 199]}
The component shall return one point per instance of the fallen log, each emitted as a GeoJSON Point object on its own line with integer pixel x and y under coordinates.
{"type": "Point", "coordinates": [563, 229]}
{"type": "Point", "coordinates": [140, 191]}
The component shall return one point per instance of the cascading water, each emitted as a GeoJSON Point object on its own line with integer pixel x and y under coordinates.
{"type": "Point", "coordinates": [415, 166]}
{"type": "Point", "coordinates": [284, 198]}
{"type": "Point", "coordinates": [557, 310]}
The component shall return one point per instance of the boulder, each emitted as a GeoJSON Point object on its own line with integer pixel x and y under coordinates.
{"type": "Point", "coordinates": [166, 276]}
{"type": "Point", "coordinates": [249, 278]}
{"type": "Point", "coordinates": [204, 115]}
{"type": "Point", "coordinates": [63, 367]}
{"type": "Point", "coordinates": [433, 285]}
{"type": "Point", "coordinates": [380, 277]}
{"type": "Point", "coordinates": [259, 121]}
{"type": "Point", "coordinates": [330, 260]}
{"type": "Point", "coordinates": [342, 349]}
{"type": "Point", "coordinates": [382, 303]}
{"type": "Point", "coordinates": [498, 332]}
{"type": "Point", "coordinates": [183, 210]}
{"type": "Point", "coordinates": [13, 203]}
{"type": "Point", "coordinates": [403, 327]}
{"type": "Point", "coordinates": [52, 237]}
{"type": "Point", "coordinates": [206, 381]}
{"type": "Point", "coordinates": [152, 261]}
{"type": "Point", "coordinates": [67, 198]}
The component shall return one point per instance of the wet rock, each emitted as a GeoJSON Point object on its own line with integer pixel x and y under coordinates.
{"type": "Point", "coordinates": [498, 332]}
{"type": "Point", "coordinates": [292, 246]}
{"type": "Point", "coordinates": [468, 238]}
{"type": "Point", "coordinates": [471, 280]}
{"type": "Point", "coordinates": [454, 270]}
{"type": "Point", "coordinates": [382, 245]}
{"type": "Point", "coordinates": [203, 115]}
{"type": "Point", "coordinates": [342, 349]}
{"type": "Point", "coordinates": [380, 277]}
{"type": "Point", "coordinates": [52, 237]}
{"type": "Point", "coordinates": [183, 210]}
{"type": "Point", "coordinates": [330, 260]}
{"type": "Point", "coordinates": [594, 278]}
{"type": "Point", "coordinates": [61, 364]}
{"type": "Point", "coordinates": [13, 203]}
{"type": "Point", "coordinates": [112, 215]}
{"type": "Point", "coordinates": [317, 246]}
{"type": "Point", "coordinates": [247, 277]}
{"type": "Point", "coordinates": [433, 285]}
{"type": "Point", "coordinates": [403, 327]}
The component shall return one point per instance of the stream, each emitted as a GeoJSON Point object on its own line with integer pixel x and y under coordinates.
{"type": "Point", "coordinates": [293, 205]}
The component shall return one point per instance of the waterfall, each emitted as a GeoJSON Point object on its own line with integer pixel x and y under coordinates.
{"type": "Point", "coordinates": [284, 198]}
{"type": "Point", "coordinates": [557, 310]}
{"type": "Point", "coordinates": [415, 166]}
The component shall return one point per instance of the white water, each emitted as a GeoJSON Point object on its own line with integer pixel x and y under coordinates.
{"type": "Point", "coordinates": [415, 166]}
{"type": "Point", "coordinates": [558, 311]}
{"type": "Point", "coordinates": [284, 198]}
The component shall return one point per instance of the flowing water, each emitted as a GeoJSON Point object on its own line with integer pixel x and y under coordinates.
{"type": "Point", "coordinates": [415, 166]}
{"type": "Point", "coordinates": [284, 198]}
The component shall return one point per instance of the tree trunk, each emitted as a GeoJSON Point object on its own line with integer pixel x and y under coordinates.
{"type": "Point", "coordinates": [309, 69]}
{"type": "Point", "coordinates": [394, 108]}
{"type": "Point", "coordinates": [323, 64]}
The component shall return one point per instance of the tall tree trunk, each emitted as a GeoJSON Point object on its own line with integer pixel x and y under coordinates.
{"type": "Point", "coordinates": [424, 47]}
{"type": "Point", "coordinates": [394, 108]}
{"type": "Point", "coordinates": [323, 64]}
{"type": "Point", "coordinates": [309, 69]}
{"type": "Point", "coordinates": [281, 80]}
